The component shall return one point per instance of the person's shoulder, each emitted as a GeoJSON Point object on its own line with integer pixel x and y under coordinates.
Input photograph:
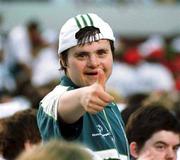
{"type": "Point", "coordinates": [54, 95]}
{"type": "Point", "coordinates": [49, 103]}
{"type": "Point", "coordinates": [56, 92]}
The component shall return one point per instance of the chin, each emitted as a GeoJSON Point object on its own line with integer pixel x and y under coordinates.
{"type": "Point", "coordinates": [89, 83]}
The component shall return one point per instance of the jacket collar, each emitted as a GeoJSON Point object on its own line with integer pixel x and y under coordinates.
{"type": "Point", "coordinates": [66, 81]}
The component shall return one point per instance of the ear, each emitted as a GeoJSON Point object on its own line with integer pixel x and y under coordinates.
{"type": "Point", "coordinates": [62, 63]}
{"type": "Point", "coordinates": [134, 149]}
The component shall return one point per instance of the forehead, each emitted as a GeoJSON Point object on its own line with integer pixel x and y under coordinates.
{"type": "Point", "coordinates": [91, 47]}
{"type": "Point", "coordinates": [166, 137]}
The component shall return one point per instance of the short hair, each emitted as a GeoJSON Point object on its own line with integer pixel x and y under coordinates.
{"type": "Point", "coordinates": [146, 121]}
{"type": "Point", "coordinates": [83, 36]}
{"type": "Point", "coordinates": [17, 130]}
{"type": "Point", "coordinates": [57, 150]}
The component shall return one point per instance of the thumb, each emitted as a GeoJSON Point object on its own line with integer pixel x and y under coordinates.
{"type": "Point", "coordinates": [101, 78]}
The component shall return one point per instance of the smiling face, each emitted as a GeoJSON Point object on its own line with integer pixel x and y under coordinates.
{"type": "Point", "coordinates": [84, 61]}
{"type": "Point", "coordinates": [162, 145]}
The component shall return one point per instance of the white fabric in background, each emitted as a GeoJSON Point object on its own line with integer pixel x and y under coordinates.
{"type": "Point", "coordinates": [9, 108]}
{"type": "Point", "coordinates": [45, 67]}
{"type": "Point", "coordinates": [145, 77]}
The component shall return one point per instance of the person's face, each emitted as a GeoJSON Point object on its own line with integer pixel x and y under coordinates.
{"type": "Point", "coordinates": [84, 61]}
{"type": "Point", "coordinates": [162, 145]}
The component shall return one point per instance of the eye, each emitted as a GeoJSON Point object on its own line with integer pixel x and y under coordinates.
{"type": "Point", "coordinates": [102, 52]}
{"type": "Point", "coordinates": [81, 55]}
{"type": "Point", "coordinates": [160, 147]}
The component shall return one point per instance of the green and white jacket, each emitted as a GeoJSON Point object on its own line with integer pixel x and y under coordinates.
{"type": "Point", "coordinates": [102, 132]}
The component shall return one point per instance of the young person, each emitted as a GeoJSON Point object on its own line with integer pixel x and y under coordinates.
{"type": "Point", "coordinates": [153, 133]}
{"type": "Point", "coordinates": [80, 108]}
{"type": "Point", "coordinates": [18, 132]}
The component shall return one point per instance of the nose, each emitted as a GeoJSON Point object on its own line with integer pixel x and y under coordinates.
{"type": "Point", "coordinates": [171, 154]}
{"type": "Point", "coordinates": [93, 61]}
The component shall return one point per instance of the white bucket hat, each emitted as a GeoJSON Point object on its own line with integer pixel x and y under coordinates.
{"type": "Point", "coordinates": [73, 25]}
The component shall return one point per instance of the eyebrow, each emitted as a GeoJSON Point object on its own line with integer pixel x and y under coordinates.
{"type": "Point", "coordinates": [103, 49]}
{"type": "Point", "coordinates": [82, 52]}
{"type": "Point", "coordinates": [161, 142]}
{"type": "Point", "coordinates": [86, 52]}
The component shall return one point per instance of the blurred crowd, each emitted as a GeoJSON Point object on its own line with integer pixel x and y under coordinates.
{"type": "Point", "coordinates": [146, 65]}
{"type": "Point", "coordinates": [145, 70]}
{"type": "Point", "coordinates": [29, 66]}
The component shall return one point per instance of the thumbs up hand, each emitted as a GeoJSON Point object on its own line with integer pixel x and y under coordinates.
{"type": "Point", "coordinates": [101, 80]}
{"type": "Point", "coordinates": [94, 97]}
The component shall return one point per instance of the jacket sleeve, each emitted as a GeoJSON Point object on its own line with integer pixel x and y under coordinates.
{"type": "Point", "coordinates": [47, 116]}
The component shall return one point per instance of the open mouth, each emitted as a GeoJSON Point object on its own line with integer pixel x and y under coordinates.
{"type": "Point", "coordinates": [92, 73]}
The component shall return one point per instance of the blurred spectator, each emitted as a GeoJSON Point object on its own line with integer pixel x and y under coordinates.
{"type": "Point", "coordinates": [23, 40]}
{"type": "Point", "coordinates": [167, 99]}
{"type": "Point", "coordinates": [145, 77]}
{"type": "Point", "coordinates": [29, 53]}
{"type": "Point", "coordinates": [153, 48]}
{"type": "Point", "coordinates": [124, 79]}
{"type": "Point", "coordinates": [9, 103]}
{"type": "Point", "coordinates": [170, 100]}
{"type": "Point", "coordinates": [173, 60]}
{"type": "Point", "coordinates": [133, 102]}
{"type": "Point", "coordinates": [140, 69]}
{"type": "Point", "coordinates": [132, 56]}
{"type": "Point", "coordinates": [58, 150]}
{"type": "Point", "coordinates": [18, 132]}
{"type": "Point", "coordinates": [46, 61]}
{"type": "Point", "coordinates": [7, 81]}
{"type": "Point", "coordinates": [154, 75]}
